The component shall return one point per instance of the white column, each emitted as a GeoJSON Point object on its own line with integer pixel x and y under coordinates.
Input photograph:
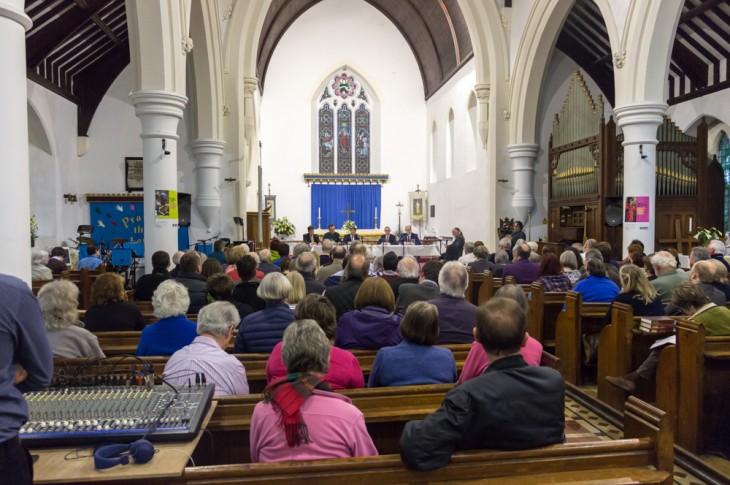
{"type": "Point", "coordinates": [160, 112]}
{"type": "Point", "coordinates": [15, 181]}
{"type": "Point", "coordinates": [482, 93]}
{"type": "Point", "coordinates": [208, 153]}
{"type": "Point", "coordinates": [523, 156]}
{"type": "Point", "coordinates": [639, 123]}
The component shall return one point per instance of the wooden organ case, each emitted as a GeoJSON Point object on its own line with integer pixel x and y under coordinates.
{"type": "Point", "coordinates": [586, 177]}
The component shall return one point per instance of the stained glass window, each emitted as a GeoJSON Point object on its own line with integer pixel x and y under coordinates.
{"type": "Point", "coordinates": [346, 97]}
{"type": "Point", "coordinates": [723, 155]}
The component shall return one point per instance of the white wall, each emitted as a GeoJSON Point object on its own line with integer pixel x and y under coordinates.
{"type": "Point", "coordinates": [460, 198]}
{"type": "Point", "coordinates": [314, 46]}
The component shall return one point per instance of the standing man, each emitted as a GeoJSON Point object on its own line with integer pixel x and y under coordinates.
{"type": "Point", "coordinates": [26, 364]}
{"type": "Point", "coordinates": [332, 235]}
{"type": "Point", "coordinates": [387, 238]}
{"type": "Point", "coordinates": [517, 233]}
{"type": "Point", "coordinates": [410, 237]}
{"type": "Point", "coordinates": [352, 237]}
{"type": "Point", "coordinates": [511, 406]}
{"type": "Point", "coordinates": [310, 237]}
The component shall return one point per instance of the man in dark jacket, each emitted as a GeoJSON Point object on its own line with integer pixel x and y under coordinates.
{"type": "Point", "coordinates": [148, 283]}
{"type": "Point", "coordinates": [342, 296]}
{"type": "Point", "coordinates": [190, 277]}
{"type": "Point", "coordinates": [305, 267]}
{"type": "Point", "coordinates": [511, 406]}
{"type": "Point", "coordinates": [245, 291]}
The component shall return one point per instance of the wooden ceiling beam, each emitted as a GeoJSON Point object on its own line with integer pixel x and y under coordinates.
{"type": "Point", "coordinates": [691, 65]}
{"type": "Point", "coordinates": [703, 7]}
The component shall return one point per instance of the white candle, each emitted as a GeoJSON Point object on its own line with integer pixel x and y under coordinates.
{"type": "Point", "coordinates": [376, 212]}
{"type": "Point", "coordinates": [319, 212]}
{"type": "Point", "coordinates": [690, 225]}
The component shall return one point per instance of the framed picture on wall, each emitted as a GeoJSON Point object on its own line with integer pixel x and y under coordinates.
{"type": "Point", "coordinates": [270, 206]}
{"type": "Point", "coordinates": [417, 205]}
{"type": "Point", "coordinates": [133, 174]}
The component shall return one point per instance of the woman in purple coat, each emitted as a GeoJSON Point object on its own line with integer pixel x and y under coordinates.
{"type": "Point", "coordinates": [373, 323]}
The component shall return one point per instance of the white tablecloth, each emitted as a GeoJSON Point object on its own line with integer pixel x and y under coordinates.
{"type": "Point", "coordinates": [379, 249]}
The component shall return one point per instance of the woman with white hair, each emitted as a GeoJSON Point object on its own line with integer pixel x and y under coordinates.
{"type": "Point", "coordinates": [315, 425]}
{"type": "Point", "coordinates": [261, 331]}
{"type": "Point", "coordinates": [38, 270]}
{"type": "Point", "coordinates": [173, 330]}
{"type": "Point", "coordinates": [207, 355]}
{"type": "Point", "coordinates": [59, 302]}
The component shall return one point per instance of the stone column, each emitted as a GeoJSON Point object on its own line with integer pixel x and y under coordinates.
{"type": "Point", "coordinates": [482, 93]}
{"type": "Point", "coordinates": [639, 123]}
{"type": "Point", "coordinates": [160, 112]}
{"type": "Point", "coordinates": [15, 181]}
{"type": "Point", "coordinates": [208, 153]}
{"type": "Point", "coordinates": [523, 156]}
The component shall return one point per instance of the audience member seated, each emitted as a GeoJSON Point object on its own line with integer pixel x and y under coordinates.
{"type": "Point", "coordinates": [721, 280]}
{"type": "Point", "coordinates": [524, 271]}
{"type": "Point", "coordinates": [218, 254]}
{"type": "Point", "coordinates": [261, 331]}
{"type": "Point", "coordinates": [57, 262]}
{"type": "Point", "coordinates": [504, 244]}
{"type": "Point", "coordinates": [176, 261]}
{"type": "Point", "coordinates": [210, 267]}
{"type": "Point", "coordinates": [637, 291]}
{"type": "Point", "coordinates": [426, 289]}
{"type": "Point", "coordinates": [455, 250]}
{"type": "Point", "coordinates": [300, 418]}
{"type": "Point", "coordinates": [310, 237]}
{"type": "Point", "coordinates": [147, 284]}
{"type": "Point", "coordinates": [343, 295]}
{"type": "Point", "coordinates": [667, 274]}
{"type": "Point", "coordinates": [331, 234]}
{"type": "Point", "coordinates": [298, 289]}
{"type": "Point", "coordinates": [373, 323]}
{"type": "Point", "coordinates": [415, 360]}
{"type": "Point", "coordinates": [207, 355]}
{"type": "Point", "coordinates": [702, 274]}
{"type": "Point", "coordinates": [501, 260]}
{"type": "Point", "coordinates": [512, 406]}
{"type": "Point", "coordinates": [409, 237]}
{"type": "Point", "coordinates": [477, 360]}
{"type": "Point", "coordinates": [39, 271]}
{"type": "Point", "coordinates": [325, 257]}
{"type": "Point", "coordinates": [480, 264]}
{"type": "Point", "coordinates": [220, 288]}
{"type": "Point", "coordinates": [456, 315]}
{"type": "Point", "coordinates": [693, 301]}
{"type": "Point", "coordinates": [551, 274]}
{"type": "Point", "coordinates": [190, 277]}
{"type": "Point", "coordinates": [408, 271]}
{"type": "Point", "coordinates": [570, 266]}
{"type": "Point", "coordinates": [389, 271]}
{"type": "Point", "coordinates": [387, 238]}
{"type": "Point", "coordinates": [265, 264]}
{"type": "Point", "coordinates": [352, 236]}
{"type": "Point", "coordinates": [338, 255]}
{"type": "Point", "coordinates": [344, 370]}
{"type": "Point", "coordinates": [468, 256]}
{"type": "Point", "coordinates": [717, 252]}
{"type": "Point", "coordinates": [91, 261]}
{"type": "Point", "coordinates": [596, 287]}
{"type": "Point", "coordinates": [234, 255]}
{"type": "Point", "coordinates": [306, 265]}
{"type": "Point", "coordinates": [246, 290]}
{"type": "Point", "coordinates": [649, 268]}
{"type": "Point", "coordinates": [109, 310]}
{"type": "Point", "coordinates": [173, 330]}
{"type": "Point", "coordinates": [68, 339]}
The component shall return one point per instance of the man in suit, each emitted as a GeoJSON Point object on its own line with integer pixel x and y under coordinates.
{"type": "Point", "coordinates": [265, 265]}
{"type": "Point", "coordinates": [410, 237]}
{"type": "Point", "coordinates": [521, 268]}
{"type": "Point", "coordinates": [352, 237]}
{"type": "Point", "coordinates": [332, 235]}
{"type": "Point", "coordinates": [387, 238]}
{"type": "Point", "coordinates": [310, 237]}
{"type": "Point", "coordinates": [426, 289]}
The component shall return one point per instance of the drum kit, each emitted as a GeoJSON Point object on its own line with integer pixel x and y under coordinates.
{"type": "Point", "coordinates": [122, 257]}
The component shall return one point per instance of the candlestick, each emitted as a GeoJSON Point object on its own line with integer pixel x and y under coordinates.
{"type": "Point", "coordinates": [319, 212]}
{"type": "Point", "coordinates": [690, 226]}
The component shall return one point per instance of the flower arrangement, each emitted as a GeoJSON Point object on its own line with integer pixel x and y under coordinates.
{"type": "Point", "coordinates": [33, 230]}
{"type": "Point", "coordinates": [284, 227]}
{"type": "Point", "coordinates": [348, 225]}
{"type": "Point", "coordinates": [704, 235]}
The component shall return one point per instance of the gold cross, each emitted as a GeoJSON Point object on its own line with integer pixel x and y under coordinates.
{"type": "Point", "coordinates": [347, 210]}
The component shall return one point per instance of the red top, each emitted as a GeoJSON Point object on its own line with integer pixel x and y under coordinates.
{"type": "Point", "coordinates": [476, 361]}
{"type": "Point", "coordinates": [344, 371]}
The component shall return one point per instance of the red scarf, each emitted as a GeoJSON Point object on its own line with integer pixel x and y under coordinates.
{"type": "Point", "coordinates": [287, 395]}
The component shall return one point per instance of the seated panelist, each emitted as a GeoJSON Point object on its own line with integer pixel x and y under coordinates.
{"type": "Point", "coordinates": [409, 237]}
{"type": "Point", "coordinates": [332, 235]}
{"type": "Point", "coordinates": [387, 238]}
{"type": "Point", "coordinates": [310, 237]}
{"type": "Point", "coordinates": [352, 237]}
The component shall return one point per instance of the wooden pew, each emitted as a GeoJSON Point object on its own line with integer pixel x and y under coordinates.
{"type": "Point", "coordinates": [693, 385]}
{"type": "Point", "coordinates": [577, 319]}
{"type": "Point", "coordinates": [544, 309]}
{"type": "Point", "coordinates": [490, 285]}
{"type": "Point", "coordinates": [645, 455]}
{"type": "Point", "coordinates": [475, 283]}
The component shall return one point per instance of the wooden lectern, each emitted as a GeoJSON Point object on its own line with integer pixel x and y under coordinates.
{"type": "Point", "coordinates": [252, 227]}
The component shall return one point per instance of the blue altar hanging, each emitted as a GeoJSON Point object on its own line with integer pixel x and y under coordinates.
{"type": "Point", "coordinates": [330, 200]}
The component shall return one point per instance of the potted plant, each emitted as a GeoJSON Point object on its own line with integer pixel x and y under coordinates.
{"type": "Point", "coordinates": [348, 225]}
{"type": "Point", "coordinates": [704, 235]}
{"type": "Point", "coordinates": [283, 228]}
